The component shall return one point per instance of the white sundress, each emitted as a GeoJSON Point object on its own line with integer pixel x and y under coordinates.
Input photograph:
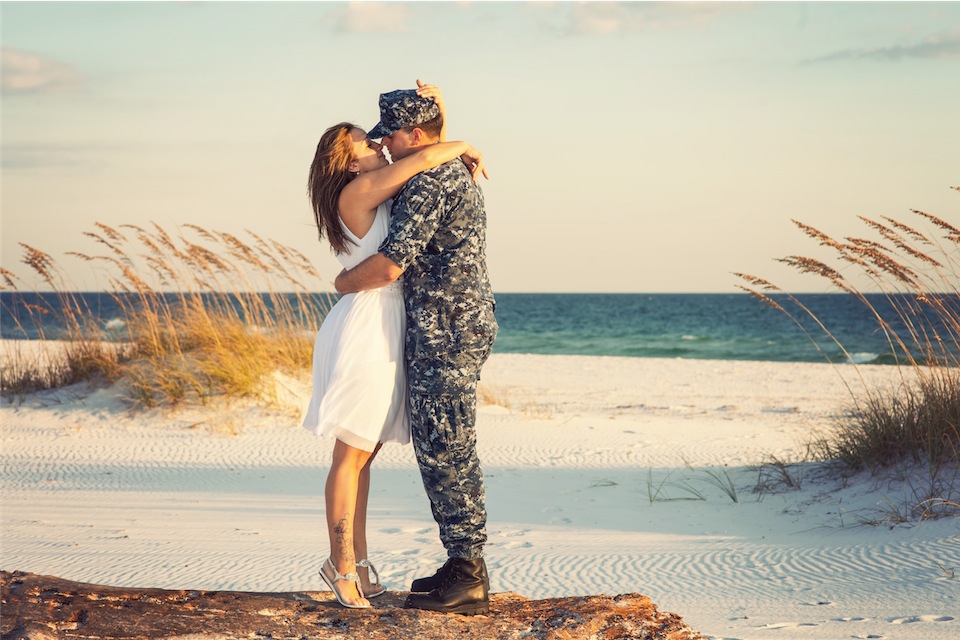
{"type": "Point", "coordinates": [359, 377]}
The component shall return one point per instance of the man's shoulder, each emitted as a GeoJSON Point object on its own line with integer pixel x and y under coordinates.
{"type": "Point", "coordinates": [441, 178]}
{"type": "Point", "coordinates": [423, 181]}
{"type": "Point", "coordinates": [452, 170]}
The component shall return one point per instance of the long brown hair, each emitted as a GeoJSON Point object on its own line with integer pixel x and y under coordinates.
{"type": "Point", "coordinates": [329, 174]}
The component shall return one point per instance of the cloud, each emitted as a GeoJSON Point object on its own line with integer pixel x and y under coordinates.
{"type": "Point", "coordinates": [25, 72]}
{"type": "Point", "coordinates": [938, 46]}
{"type": "Point", "coordinates": [29, 157]}
{"type": "Point", "coordinates": [601, 18]}
{"type": "Point", "coordinates": [370, 17]}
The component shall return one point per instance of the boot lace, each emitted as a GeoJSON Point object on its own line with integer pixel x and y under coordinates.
{"type": "Point", "coordinates": [450, 578]}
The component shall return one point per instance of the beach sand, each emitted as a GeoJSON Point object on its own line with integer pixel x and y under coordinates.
{"type": "Point", "coordinates": [604, 476]}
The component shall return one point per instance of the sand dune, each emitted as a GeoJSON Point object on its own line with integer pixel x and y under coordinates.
{"type": "Point", "coordinates": [604, 475]}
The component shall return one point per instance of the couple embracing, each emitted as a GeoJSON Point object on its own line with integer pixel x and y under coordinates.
{"type": "Point", "coordinates": [399, 356]}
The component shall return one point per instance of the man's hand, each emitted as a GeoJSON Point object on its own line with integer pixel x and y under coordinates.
{"type": "Point", "coordinates": [338, 282]}
{"type": "Point", "coordinates": [374, 272]}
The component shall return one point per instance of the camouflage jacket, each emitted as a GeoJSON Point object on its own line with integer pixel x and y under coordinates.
{"type": "Point", "coordinates": [438, 237]}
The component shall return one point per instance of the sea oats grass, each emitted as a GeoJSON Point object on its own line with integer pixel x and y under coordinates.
{"type": "Point", "coordinates": [916, 269]}
{"type": "Point", "coordinates": [775, 475]}
{"type": "Point", "coordinates": [204, 314]}
{"type": "Point", "coordinates": [918, 421]}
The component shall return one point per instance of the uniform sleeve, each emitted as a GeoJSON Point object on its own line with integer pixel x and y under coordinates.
{"type": "Point", "coordinates": [416, 217]}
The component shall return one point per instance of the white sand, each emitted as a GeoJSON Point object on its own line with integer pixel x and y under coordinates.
{"type": "Point", "coordinates": [588, 463]}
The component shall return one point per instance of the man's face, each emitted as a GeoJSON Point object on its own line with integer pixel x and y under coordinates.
{"type": "Point", "coordinates": [399, 144]}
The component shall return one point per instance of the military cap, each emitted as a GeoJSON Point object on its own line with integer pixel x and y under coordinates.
{"type": "Point", "coordinates": [402, 108]}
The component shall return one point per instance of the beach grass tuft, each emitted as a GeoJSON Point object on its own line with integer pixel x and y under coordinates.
{"type": "Point", "coordinates": [203, 313]}
{"type": "Point", "coordinates": [775, 475]}
{"type": "Point", "coordinates": [917, 269]}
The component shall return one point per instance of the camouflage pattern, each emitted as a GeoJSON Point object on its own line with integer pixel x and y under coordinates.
{"type": "Point", "coordinates": [445, 442]}
{"type": "Point", "coordinates": [438, 237]}
{"type": "Point", "coordinates": [402, 108]}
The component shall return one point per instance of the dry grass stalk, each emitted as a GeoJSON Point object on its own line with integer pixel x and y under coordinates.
{"type": "Point", "coordinates": [916, 273]}
{"type": "Point", "coordinates": [207, 314]}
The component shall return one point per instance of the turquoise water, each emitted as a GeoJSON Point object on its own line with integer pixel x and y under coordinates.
{"type": "Point", "coordinates": [706, 326]}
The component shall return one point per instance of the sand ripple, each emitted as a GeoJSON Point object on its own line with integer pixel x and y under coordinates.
{"type": "Point", "coordinates": [601, 478]}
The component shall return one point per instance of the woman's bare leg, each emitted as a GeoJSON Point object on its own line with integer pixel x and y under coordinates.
{"type": "Point", "coordinates": [343, 483]}
{"type": "Point", "coordinates": [360, 522]}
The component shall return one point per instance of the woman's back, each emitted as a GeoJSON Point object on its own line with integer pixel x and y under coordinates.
{"type": "Point", "coordinates": [370, 242]}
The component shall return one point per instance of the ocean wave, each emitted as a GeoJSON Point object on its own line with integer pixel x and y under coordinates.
{"type": "Point", "coordinates": [702, 326]}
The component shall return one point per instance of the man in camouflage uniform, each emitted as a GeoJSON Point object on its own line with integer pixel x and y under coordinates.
{"type": "Point", "coordinates": [437, 241]}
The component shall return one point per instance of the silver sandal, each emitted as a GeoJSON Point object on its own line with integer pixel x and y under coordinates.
{"type": "Point", "coordinates": [366, 564]}
{"type": "Point", "coordinates": [337, 577]}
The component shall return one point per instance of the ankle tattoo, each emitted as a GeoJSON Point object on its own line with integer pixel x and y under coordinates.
{"type": "Point", "coordinates": [344, 539]}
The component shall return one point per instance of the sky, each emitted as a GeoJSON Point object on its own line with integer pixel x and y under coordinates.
{"type": "Point", "coordinates": [632, 146]}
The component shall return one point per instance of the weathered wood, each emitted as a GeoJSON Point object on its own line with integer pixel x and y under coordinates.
{"type": "Point", "coordinates": [45, 607]}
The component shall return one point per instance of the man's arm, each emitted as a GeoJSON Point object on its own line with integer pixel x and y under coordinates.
{"type": "Point", "coordinates": [374, 272]}
{"type": "Point", "coordinates": [416, 215]}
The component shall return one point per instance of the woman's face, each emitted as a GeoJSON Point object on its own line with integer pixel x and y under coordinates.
{"type": "Point", "coordinates": [369, 154]}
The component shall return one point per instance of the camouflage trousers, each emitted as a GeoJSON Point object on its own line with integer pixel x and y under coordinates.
{"type": "Point", "coordinates": [445, 443]}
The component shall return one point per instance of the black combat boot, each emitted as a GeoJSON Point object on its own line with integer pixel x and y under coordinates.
{"type": "Point", "coordinates": [463, 588]}
{"type": "Point", "coordinates": [425, 585]}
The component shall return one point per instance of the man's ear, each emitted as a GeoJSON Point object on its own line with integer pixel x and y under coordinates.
{"type": "Point", "coordinates": [416, 136]}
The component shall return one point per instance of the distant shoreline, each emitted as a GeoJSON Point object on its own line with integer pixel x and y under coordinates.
{"type": "Point", "coordinates": [715, 326]}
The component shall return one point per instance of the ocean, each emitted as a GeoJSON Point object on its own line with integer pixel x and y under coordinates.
{"type": "Point", "coordinates": [719, 326]}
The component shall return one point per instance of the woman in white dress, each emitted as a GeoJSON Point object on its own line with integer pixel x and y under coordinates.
{"type": "Point", "coordinates": [359, 382]}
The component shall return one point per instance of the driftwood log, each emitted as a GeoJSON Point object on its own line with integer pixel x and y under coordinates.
{"type": "Point", "coordinates": [45, 607]}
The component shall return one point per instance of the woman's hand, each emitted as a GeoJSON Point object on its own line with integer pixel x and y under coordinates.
{"type": "Point", "coordinates": [432, 91]}
{"type": "Point", "coordinates": [474, 161]}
